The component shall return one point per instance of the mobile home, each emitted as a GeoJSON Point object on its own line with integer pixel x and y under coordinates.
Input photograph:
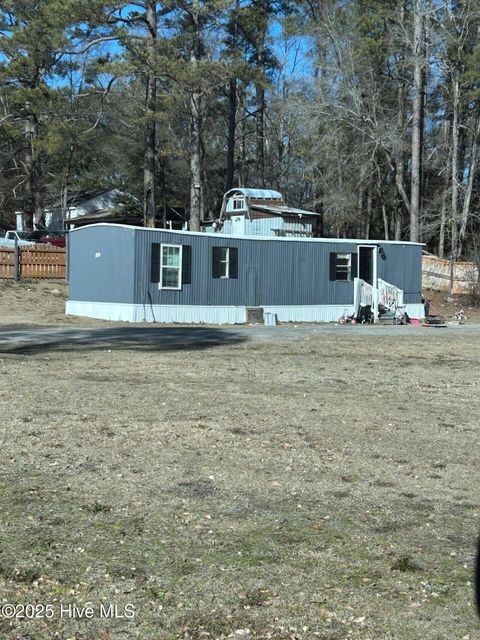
{"type": "Point", "coordinates": [135, 274]}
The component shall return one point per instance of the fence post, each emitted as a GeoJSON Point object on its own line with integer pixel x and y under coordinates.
{"type": "Point", "coordinates": [16, 260]}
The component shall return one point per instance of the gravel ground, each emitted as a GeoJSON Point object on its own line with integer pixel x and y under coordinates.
{"type": "Point", "coordinates": [308, 482]}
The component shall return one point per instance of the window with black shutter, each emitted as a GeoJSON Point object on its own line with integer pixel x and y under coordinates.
{"type": "Point", "coordinates": [155, 264]}
{"type": "Point", "coordinates": [170, 265]}
{"type": "Point", "coordinates": [233, 266]}
{"type": "Point", "coordinates": [186, 264]}
{"type": "Point", "coordinates": [343, 266]}
{"type": "Point", "coordinates": [225, 262]}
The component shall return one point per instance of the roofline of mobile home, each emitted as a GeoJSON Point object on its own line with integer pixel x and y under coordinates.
{"type": "Point", "coordinates": [237, 237]}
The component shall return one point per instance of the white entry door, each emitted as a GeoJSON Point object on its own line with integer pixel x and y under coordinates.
{"type": "Point", "coordinates": [238, 225]}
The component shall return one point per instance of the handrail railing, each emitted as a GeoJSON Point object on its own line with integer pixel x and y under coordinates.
{"type": "Point", "coordinates": [390, 296]}
{"type": "Point", "coordinates": [385, 294]}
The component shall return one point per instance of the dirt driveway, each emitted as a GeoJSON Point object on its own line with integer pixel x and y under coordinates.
{"type": "Point", "coordinates": [309, 482]}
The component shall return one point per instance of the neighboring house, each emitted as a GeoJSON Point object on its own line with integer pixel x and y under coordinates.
{"type": "Point", "coordinates": [262, 212]}
{"type": "Point", "coordinates": [118, 272]}
{"type": "Point", "coordinates": [90, 207]}
{"type": "Point", "coordinates": [79, 204]}
{"type": "Point", "coordinates": [175, 219]}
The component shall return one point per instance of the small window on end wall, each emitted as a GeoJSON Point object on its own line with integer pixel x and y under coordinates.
{"type": "Point", "coordinates": [225, 262]}
{"type": "Point", "coordinates": [343, 266]}
{"type": "Point", "coordinates": [238, 204]}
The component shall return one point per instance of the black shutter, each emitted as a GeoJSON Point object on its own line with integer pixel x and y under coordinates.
{"type": "Point", "coordinates": [216, 257]}
{"type": "Point", "coordinates": [186, 264]}
{"type": "Point", "coordinates": [353, 265]}
{"type": "Point", "coordinates": [155, 263]}
{"type": "Point", "coordinates": [233, 266]}
{"type": "Point", "coordinates": [333, 266]}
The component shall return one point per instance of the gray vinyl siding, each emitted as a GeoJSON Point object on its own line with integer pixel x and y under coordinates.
{"type": "Point", "coordinates": [403, 268]}
{"type": "Point", "coordinates": [270, 272]}
{"type": "Point", "coordinates": [109, 277]}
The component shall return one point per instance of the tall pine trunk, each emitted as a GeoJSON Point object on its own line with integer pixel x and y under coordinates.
{"type": "Point", "coordinates": [232, 104]}
{"type": "Point", "coordinates": [445, 192]}
{"type": "Point", "coordinates": [195, 162]}
{"type": "Point", "coordinates": [261, 59]}
{"type": "Point", "coordinates": [455, 163]}
{"type": "Point", "coordinates": [33, 210]}
{"type": "Point", "coordinates": [232, 122]}
{"type": "Point", "coordinates": [260, 134]}
{"type": "Point", "coordinates": [149, 152]}
{"type": "Point", "coordinates": [400, 165]}
{"type": "Point", "coordinates": [472, 170]}
{"type": "Point", "coordinates": [417, 119]}
{"type": "Point", "coordinates": [196, 124]}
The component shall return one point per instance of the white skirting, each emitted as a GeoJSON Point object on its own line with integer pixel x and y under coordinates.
{"type": "Point", "coordinates": [327, 313]}
{"type": "Point", "coordinates": [209, 314]}
{"type": "Point", "coordinates": [164, 313]}
{"type": "Point", "coordinates": [315, 313]}
{"type": "Point", "coordinates": [415, 310]}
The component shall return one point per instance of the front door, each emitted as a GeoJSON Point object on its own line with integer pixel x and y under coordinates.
{"type": "Point", "coordinates": [365, 263]}
{"type": "Point", "coordinates": [238, 225]}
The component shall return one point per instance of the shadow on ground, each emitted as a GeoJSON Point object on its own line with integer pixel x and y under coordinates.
{"type": "Point", "coordinates": [40, 340]}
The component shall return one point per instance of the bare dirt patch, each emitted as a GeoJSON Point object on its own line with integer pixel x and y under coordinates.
{"type": "Point", "coordinates": [319, 486]}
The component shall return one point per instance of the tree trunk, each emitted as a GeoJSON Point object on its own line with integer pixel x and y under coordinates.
{"type": "Point", "coordinates": [149, 153]}
{"type": "Point", "coordinates": [261, 56]}
{"type": "Point", "coordinates": [232, 105]}
{"type": "Point", "coordinates": [196, 173]}
{"type": "Point", "coordinates": [32, 200]}
{"type": "Point", "coordinates": [455, 163]}
{"type": "Point", "coordinates": [472, 170]}
{"type": "Point", "coordinates": [443, 212]}
{"type": "Point", "coordinates": [232, 118]}
{"type": "Point", "coordinates": [385, 221]}
{"type": "Point", "coordinates": [195, 162]}
{"type": "Point", "coordinates": [163, 190]}
{"type": "Point", "coordinates": [38, 215]}
{"type": "Point", "coordinates": [417, 119]}
{"type": "Point", "coordinates": [242, 164]}
{"type": "Point", "coordinates": [318, 225]}
{"type": "Point", "coordinates": [446, 186]}
{"type": "Point", "coordinates": [260, 134]}
{"type": "Point", "coordinates": [360, 217]}
{"type": "Point", "coordinates": [402, 199]}
{"type": "Point", "coordinates": [65, 185]}
{"type": "Point", "coordinates": [368, 221]}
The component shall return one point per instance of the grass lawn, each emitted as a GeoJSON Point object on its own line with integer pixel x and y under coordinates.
{"type": "Point", "coordinates": [319, 486]}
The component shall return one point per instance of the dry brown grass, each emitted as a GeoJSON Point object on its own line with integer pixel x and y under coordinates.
{"type": "Point", "coordinates": [323, 487]}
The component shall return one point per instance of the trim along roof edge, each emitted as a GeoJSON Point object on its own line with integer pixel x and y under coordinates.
{"type": "Point", "coordinates": [361, 241]}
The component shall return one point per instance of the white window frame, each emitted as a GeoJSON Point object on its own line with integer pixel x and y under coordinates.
{"type": "Point", "coordinates": [374, 248]}
{"type": "Point", "coordinates": [238, 200]}
{"type": "Point", "coordinates": [180, 255]}
{"type": "Point", "coordinates": [348, 266]}
{"type": "Point", "coordinates": [226, 262]}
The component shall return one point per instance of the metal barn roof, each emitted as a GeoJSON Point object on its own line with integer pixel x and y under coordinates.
{"type": "Point", "coordinates": [263, 194]}
{"type": "Point", "coordinates": [282, 211]}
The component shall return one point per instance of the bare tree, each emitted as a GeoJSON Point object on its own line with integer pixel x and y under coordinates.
{"type": "Point", "coordinates": [150, 146]}
{"type": "Point", "coordinates": [417, 117]}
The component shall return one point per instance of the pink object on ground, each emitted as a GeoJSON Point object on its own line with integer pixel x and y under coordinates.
{"type": "Point", "coordinates": [414, 321]}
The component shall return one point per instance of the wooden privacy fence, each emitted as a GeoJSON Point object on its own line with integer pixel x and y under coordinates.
{"type": "Point", "coordinates": [442, 275]}
{"type": "Point", "coordinates": [39, 262]}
